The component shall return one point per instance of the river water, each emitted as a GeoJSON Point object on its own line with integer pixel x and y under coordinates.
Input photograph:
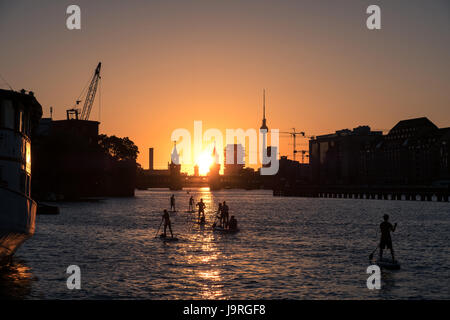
{"type": "Point", "coordinates": [287, 248]}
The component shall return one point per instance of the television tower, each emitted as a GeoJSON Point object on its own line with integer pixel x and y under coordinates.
{"type": "Point", "coordinates": [264, 123]}
{"type": "Point", "coordinates": [264, 129]}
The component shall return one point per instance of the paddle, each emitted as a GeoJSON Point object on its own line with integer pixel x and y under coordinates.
{"type": "Point", "coordinates": [158, 228]}
{"type": "Point", "coordinates": [371, 255]}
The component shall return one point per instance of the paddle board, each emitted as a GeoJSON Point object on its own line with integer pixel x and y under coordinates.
{"type": "Point", "coordinates": [167, 238]}
{"type": "Point", "coordinates": [201, 222]}
{"type": "Point", "coordinates": [388, 264]}
{"type": "Point", "coordinates": [223, 230]}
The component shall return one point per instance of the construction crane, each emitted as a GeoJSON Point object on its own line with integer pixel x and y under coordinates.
{"type": "Point", "coordinates": [303, 152]}
{"type": "Point", "coordinates": [294, 134]}
{"type": "Point", "coordinates": [88, 100]}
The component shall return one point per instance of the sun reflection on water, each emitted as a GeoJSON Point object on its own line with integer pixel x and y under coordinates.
{"type": "Point", "coordinates": [203, 252]}
{"type": "Point", "coordinates": [15, 280]}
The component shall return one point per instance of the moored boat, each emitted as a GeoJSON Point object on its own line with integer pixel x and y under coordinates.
{"type": "Point", "coordinates": [19, 114]}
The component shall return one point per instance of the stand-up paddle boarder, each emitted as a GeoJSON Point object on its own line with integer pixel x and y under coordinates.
{"type": "Point", "coordinates": [386, 242]}
{"type": "Point", "coordinates": [201, 209]}
{"type": "Point", "coordinates": [219, 214]}
{"type": "Point", "coordinates": [172, 203]}
{"type": "Point", "coordinates": [191, 203]}
{"type": "Point", "coordinates": [225, 210]}
{"type": "Point", "coordinates": [167, 223]}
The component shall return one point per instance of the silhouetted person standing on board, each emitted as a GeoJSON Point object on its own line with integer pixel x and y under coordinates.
{"type": "Point", "coordinates": [386, 241]}
{"type": "Point", "coordinates": [225, 210]}
{"type": "Point", "coordinates": [172, 203]}
{"type": "Point", "coordinates": [219, 213]}
{"type": "Point", "coordinates": [167, 223]}
{"type": "Point", "coordinates": [201, 209]}
{"type": "Point", "coordinates": [191, 203]}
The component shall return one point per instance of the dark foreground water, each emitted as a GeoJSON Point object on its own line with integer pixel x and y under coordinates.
{"type": "Point", "coordinates": [288, 248]}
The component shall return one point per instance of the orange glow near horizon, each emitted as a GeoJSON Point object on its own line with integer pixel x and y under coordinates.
{"type": "Point", "coordinates": [204, 162]}
{"type": "Point", "coordinates": [167, 64]}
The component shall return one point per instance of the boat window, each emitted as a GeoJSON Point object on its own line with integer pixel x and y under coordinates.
{"type": "Point", "coordinates": [28, 157]}
{"type": "Point", "coordinates": [20, 118]}
{"type": "Point", "coordinates": [7, 114]}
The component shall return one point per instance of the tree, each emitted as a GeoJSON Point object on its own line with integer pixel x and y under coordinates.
{"type": "Point", "coordinates": [118, 148]}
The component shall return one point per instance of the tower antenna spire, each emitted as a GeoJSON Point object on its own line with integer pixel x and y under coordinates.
{"type": "Point", "coordinates": [264, 124]}
{"type": "Point", "coordinates": [264, 103]}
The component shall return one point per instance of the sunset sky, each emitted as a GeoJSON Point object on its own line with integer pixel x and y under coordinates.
{"type": "Point", "coordinates": [167, 63]}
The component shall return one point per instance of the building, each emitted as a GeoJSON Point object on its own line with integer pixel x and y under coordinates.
{"type": "Point", "coordinates": [444, 159]}
{"type": "Point", "coordinates": [410, 162]}
{"type": "Point", "coordinates": [151, 166]}
{"type": "Point", "coordinates": [291, 173]}
{"type": "Point", "coordinates": [80, 132]}
{"type": "Point", "coordinates": [234, 163]}
{"type": "Point", "coordinates": [176, 182]}
{"type": "Point", "coordinates": [334, 158]}
{"type": "Point", "coordinates": [69, 163]}
{"type": "Point", "coordinates": [234, 155]}
{"type": "Point", "coordinates": [155, 178]}
{"type": "Point", "coordinates": [196, 171]}
{"type": "Point", "coordinates": [414, 152]}
{"type": "Point", "coordinates": [215, 166]}
{"type": "Point", "coordinates": [214, 178]}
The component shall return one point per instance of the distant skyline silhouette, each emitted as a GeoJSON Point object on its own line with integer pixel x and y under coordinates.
{"type": "Point", "coordinates": [166, 64]}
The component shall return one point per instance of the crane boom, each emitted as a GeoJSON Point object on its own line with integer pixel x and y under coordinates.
{"type": "Point", "coordinates": [294, 137]}
{"type": "Point", "coordinates": [90, 95]}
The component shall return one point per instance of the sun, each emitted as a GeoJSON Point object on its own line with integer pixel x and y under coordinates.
{"type": "Point", "coordinates": [204, 162]}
